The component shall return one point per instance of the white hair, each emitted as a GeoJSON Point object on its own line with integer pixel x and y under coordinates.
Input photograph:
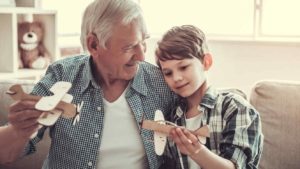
{"type": "Point", "coordinates": [102, 15]}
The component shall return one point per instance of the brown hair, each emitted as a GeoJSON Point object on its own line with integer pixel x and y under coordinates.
{"type": "Point", "coordinates": [180, 42]}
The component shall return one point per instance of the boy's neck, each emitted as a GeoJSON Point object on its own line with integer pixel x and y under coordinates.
{"type": "Point", "coordinates": [195, 99]}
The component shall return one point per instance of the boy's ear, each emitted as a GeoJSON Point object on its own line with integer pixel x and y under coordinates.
{"type": "Point", "coordinates": [207, 61]}
{"type": "Point", "coordinates": [92, 43]}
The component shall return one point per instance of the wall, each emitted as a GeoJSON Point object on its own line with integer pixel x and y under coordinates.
{"type": "Point", "coordinates": [240, 64]}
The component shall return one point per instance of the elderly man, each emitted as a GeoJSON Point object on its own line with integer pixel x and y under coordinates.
{"type": "Point", "coordinates": [115, 89]}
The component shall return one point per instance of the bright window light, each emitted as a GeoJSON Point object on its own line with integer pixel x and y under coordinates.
{"type": "Point", "coordinates": [279, 17]}
{"type": "Point", "coordinates": [69, 14]}
{"type": "Point", "coordinates": [214, 17]}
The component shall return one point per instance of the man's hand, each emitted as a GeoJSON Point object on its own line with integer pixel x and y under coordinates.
{"type": "Point", "coordinates": [23, 118]}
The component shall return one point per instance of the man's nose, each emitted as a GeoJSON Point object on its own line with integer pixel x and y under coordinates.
{"type": "Point", "coordinates": [140, 52]}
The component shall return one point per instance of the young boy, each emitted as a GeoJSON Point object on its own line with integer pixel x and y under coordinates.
{"type": "Point", "coordinates": [235, 128]}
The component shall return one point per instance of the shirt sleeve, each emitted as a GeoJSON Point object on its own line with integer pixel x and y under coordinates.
{"type": "Point", "coordinates": [31, 146]}
{"type": "Point", "coordinates": [242, 136]}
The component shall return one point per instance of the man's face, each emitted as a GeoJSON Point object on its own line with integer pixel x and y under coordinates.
{"type": "Point", "coordinates": [184, 76]}
{"type": "Point", "coordinates": [125, 49]}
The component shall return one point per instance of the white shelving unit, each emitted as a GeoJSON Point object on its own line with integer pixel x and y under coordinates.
{"type": "Point", "coordinates": [9, 19]}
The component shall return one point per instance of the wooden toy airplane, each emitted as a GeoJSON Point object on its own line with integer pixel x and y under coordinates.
{"type": "Point", "coordinates": [53, 106]}
{"type": "Point", "coordinates": [162, 129]}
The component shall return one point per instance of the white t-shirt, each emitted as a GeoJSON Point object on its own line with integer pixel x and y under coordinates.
{"type": "Point", "coordinates": [121, 145]}
{"type": "Point", "coordinates": [193, 124]}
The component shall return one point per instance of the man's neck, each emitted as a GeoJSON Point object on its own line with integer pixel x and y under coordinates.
{"type": "Point", "coordinates": [112, 87]}
{"type": "Point", "coordinates": [113, 91]}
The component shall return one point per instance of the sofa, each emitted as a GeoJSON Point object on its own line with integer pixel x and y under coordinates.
{"type": "Point", "coordinates": [277, 101]}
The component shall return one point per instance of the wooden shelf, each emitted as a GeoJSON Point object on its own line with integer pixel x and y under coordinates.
{"type": "Point", "coordinates": [9, 19]}
{"type": "Point", "coordinates": [31, 74]}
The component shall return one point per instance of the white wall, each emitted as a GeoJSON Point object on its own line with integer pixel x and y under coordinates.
{"type": "Point", "coordinates": [240, 64]}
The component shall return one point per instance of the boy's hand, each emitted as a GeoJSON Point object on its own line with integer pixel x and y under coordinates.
{"type": "Point", "coordinates": [187, 142]}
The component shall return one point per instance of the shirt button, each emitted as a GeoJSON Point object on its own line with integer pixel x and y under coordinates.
{"type": "Point", "coordinates": [99, 108]}
{"type": "Point", "coordinates": [90, 164]}
{"type": "Point", "coordinates": [96, 135]}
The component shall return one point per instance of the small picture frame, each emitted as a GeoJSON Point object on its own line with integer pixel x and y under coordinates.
{"type": "Point", "coordinates": [7, 3]}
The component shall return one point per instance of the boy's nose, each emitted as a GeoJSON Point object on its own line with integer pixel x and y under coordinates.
{"type": "Point", "coordinates": [177, 77]}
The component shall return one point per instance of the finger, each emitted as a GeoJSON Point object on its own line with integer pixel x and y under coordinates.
{"type": "Point", "coordinates": [21, 105]}
{"type": "Point", "coordinates": [182, 135]}
{"type": "Point", "coordinates": [190, 136]}
{"type": "Point", "coordinates": [25, 123]}
{"type": "Point", "coordinates": [174, 136]}
{"type": "Point", "coordinates": [24, 119]}
{"type": "Point", "coordinates": [28, 132]}
{"type": "Point", "coordinates": [190, 141]}
{"type": "Point", "coordinates": [22, 110]}
{"type": "Point", "coordinates": [180, 145]}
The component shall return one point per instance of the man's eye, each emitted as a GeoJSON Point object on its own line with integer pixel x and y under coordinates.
{"type": "Point", "coordinates": [127, 49]}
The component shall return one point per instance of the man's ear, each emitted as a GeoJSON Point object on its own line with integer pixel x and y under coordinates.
{"type": "Point", "coordinates": [92, 43]}
{"type": "Point", "coordinates": [207, 61]}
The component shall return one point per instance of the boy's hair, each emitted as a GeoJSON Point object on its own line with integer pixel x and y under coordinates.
{"type": "Point", "coordinates": [180, 42]}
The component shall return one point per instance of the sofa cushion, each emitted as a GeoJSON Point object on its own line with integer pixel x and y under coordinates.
{"type": "Point", "coordinates": [279, 105]}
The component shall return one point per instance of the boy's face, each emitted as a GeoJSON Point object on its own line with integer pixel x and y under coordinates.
{"type": "Point", "coordinates": [184, 76]}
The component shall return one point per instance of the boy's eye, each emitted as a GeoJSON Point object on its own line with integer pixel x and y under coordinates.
{"type": "Point", "coordinates": [184, 67]}
{"type": "Point", "coordinates": [167, 73]}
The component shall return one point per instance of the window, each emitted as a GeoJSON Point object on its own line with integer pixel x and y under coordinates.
{"type": "Point", "coordinates": [279, 18]}
{"type": "Point", "coordinates": [250, 19]}
{"type": "Point", "coordinates": [254, 19]}
{"type": "Point", "coordinates": [69, 14]}
{"type": "Point", "coordinates": [212, 16]}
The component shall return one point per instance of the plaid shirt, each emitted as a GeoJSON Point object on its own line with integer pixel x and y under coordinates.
{"type": "Point", "coordinates": [77, 146]}
{"type": "Point", "coordinates": [235, 130]}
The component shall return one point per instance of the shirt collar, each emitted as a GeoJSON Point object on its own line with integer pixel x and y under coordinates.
{"type": "Point", "coordinates": [210, 98]}
{"type": "Point", "coordinates": [208, 101]}
{"type": "Point", "coordinates": [87, 77]}
{"type": "Point", "coordinates": [139, 81]}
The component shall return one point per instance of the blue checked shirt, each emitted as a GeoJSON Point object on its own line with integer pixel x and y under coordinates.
{"type": "Point", "coordinates": [76, 146]}
{"type": "Point", "coordinates": [235, 130]}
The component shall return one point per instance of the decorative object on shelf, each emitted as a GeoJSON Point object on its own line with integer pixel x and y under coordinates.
{"type": "Point", "coordinates": [32, 51]}
{"type": "Point", "coordinates": [7, 3]}
{"type": "Point", "coordinates": [28, 3]}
